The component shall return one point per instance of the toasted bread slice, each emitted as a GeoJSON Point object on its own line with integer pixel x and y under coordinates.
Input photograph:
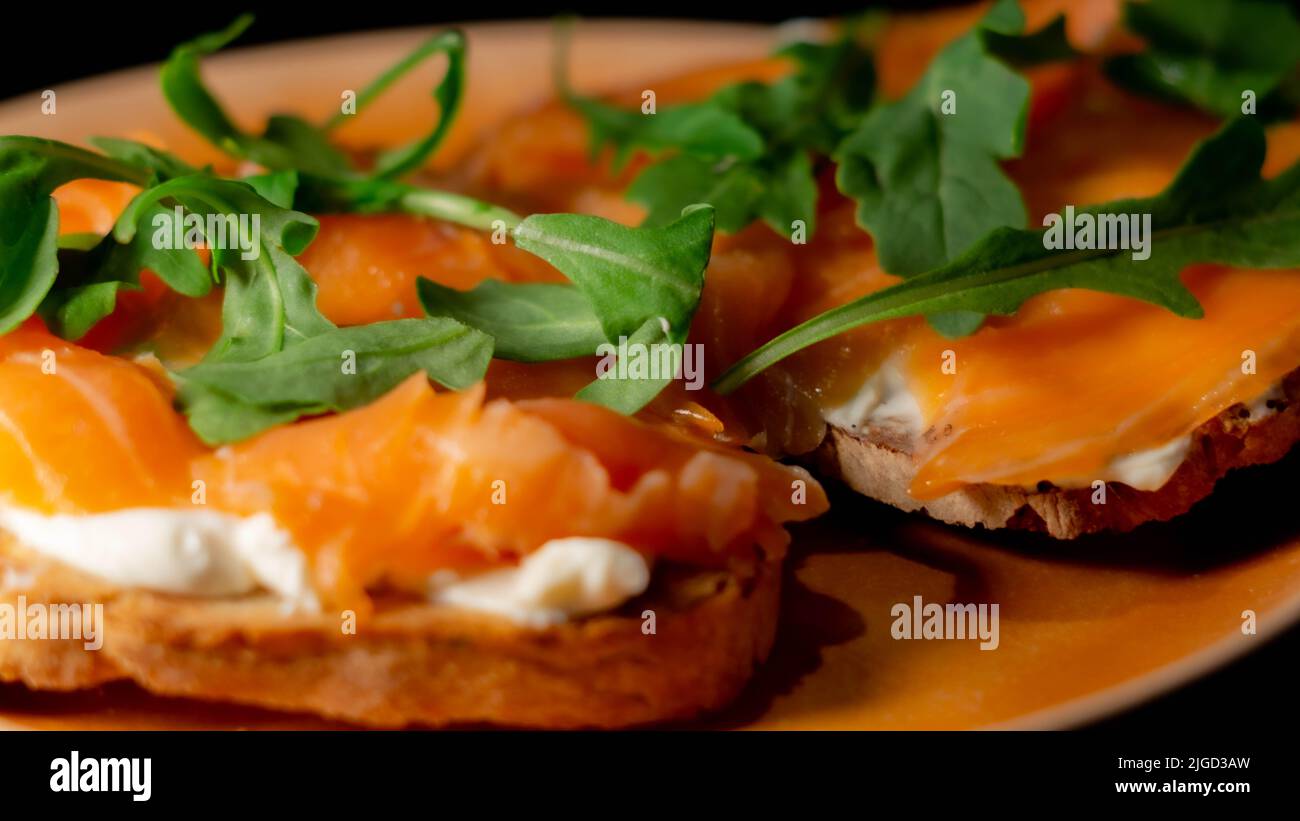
{"type": "Point", "coordinates": [411, 662]}
{"type": "Point", "coordinates": [877, 462]}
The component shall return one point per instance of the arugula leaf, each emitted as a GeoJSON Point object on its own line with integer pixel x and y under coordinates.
{"type": "Point", "coordinates": [927, 183]}
{"type": "Point", "coordinates": [531, 322]}
{"type": "Point", "coordinates": [74, 284]}
{"type": "Point", "coordinates": [291, 143]}
{"type": "Point", "coordinates": [288, 142]}
{"type": "Point", "coordinates": [276, 187]}
{"type": "Point", "coordinates": [1206, 53]}
{"type": "Point", "coordinates": [745, 151]}
{"type": "Point", "coordinates": [336, 370]}
{"type": "Point", "coordinates": [816, 105]}
{"type": "Point", "coordinates": [734, 191]}
{"type": "Point", "coordinates": [632, 394]}
{"type": "Point", "coordinates": [1217, 210]}
{"type": "Point", "coordinates": [72, 312]}
{"type": "Point", "coordinates": [642, 284]}
{"type": "Point", "coordinates": [629, 275]}
{"type": "Point", "coordinates": [90, 279]}
{"type": "Point", "coordinates": [270, 300]}
{"type": "Point", "coordinates": [398, 161]}
{"type": "Point", "coordinates": [162, 164]}
{"type": "Point", "coordinates": [182, 270]}
{"type": "Point", "coordinates": [704, 130]}
{"type": "Point", "coordinates": [1047, 45]}
{"type": "Point", "coordinates": [30, 169]}
{"type": "Point", "coordinates": [93, 273]}
{"type": "Point", "coordinates": [791, 193]}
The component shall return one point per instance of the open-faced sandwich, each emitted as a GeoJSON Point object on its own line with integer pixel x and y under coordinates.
{"type": "Point", "coordinates": [1020, 268]}
{"type": "Point", "coordinates": [233, 426]}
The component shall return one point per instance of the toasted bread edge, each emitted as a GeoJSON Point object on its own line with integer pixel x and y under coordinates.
{"type": "Point", "coordinates": [412, 663]}
{"type": "Point", "coordinates": [878, 464]}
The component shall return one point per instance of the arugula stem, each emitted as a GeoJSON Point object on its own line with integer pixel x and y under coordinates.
{"type": "Point", "coordinates": [912, 297]}
{"type": "Point", "coordinates": [904, 299]}
{"type": "Point", "coordinates": [1256, 219]}
{"type": "Point", "coordinates": [457, 208]}
{"type": "Point", "coordinates": [439, 42]}
{"type": "Point", "coordinates": [107, 167]}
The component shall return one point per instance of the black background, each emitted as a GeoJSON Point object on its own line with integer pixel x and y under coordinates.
{"type": "Point", "coordinates": [706, 775]}
{"type": "Point", "coordinates": [41, 49]}
{"type": "Point", "coordinates": [37, 52]}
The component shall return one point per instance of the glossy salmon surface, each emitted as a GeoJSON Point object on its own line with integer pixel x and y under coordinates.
{"type": "Point", "coordinates": [384, 495]}
{"type": "Point", "coordinates": [117, 441]}
{"type": "Point", "coordinates": [422, 481]}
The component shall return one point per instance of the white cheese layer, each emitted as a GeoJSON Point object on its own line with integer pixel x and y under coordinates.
{"type": "Point", "coordinates": [1149, 469]}
{"type": "Point", "coordinates": [883, 400]}
{"type": "Point", "coordinates": [187, 552]}
{"type": "Point", "coordinates": [562, 579]}
{"type": "Point", "coordinates": [204, 553]}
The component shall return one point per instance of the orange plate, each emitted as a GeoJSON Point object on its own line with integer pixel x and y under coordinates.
{"type": "Point", "coordinates": [1087, 628]}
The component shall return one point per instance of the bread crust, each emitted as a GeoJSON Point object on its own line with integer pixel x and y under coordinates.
{"type": "Point", "coordinates": [878, 463]}
{"type": "Point", "coordinates": [411, 662]}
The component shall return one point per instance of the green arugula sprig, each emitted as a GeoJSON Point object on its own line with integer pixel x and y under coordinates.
{"type": "Point", "coordinates": [90, 278]}
{"type": "Point", "coordinates": [328, 181]}
{"type": "Point", "coordinates": [72, 283]}
{"type": "Point", "coordinates": [641, 285]}
{"type": "Point", "coordinates": [747, 150]}
{"type": "Point", "coordinates": [638, 283]}
{"type": "Point", "coordinates": [30, 169]}
{"type": "Point", "coordinates": [927, 182]}
{"type": "Point", "coordinates": [530, 321]}
{"type": "Point", "coordinates": [1050, 44]}
{"type": "Point", "coordinates": [1208, 53]}
{"type": "Point", "coordinates": [270, 300]}
{"type": "Point", "coordinates": [277, 358]}
{"type": "Point", "coordinates": [925, 171]}
{"type": "Point", "coordinates": [335, 370]}
{"type": "Point", "coordinates": [1217, 210]}
{"type": "Point", "coordinates": [290, 142]}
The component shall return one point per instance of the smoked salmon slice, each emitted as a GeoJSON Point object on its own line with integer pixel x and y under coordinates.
{"type": "Point", "coordinates": [366, 267]}
{"type": "Point", "coordinates": [81, 432]}
{"type": "Point", "coordinates": [386, 494]}
{"type": "Point", "coordinates": [422, 481]}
